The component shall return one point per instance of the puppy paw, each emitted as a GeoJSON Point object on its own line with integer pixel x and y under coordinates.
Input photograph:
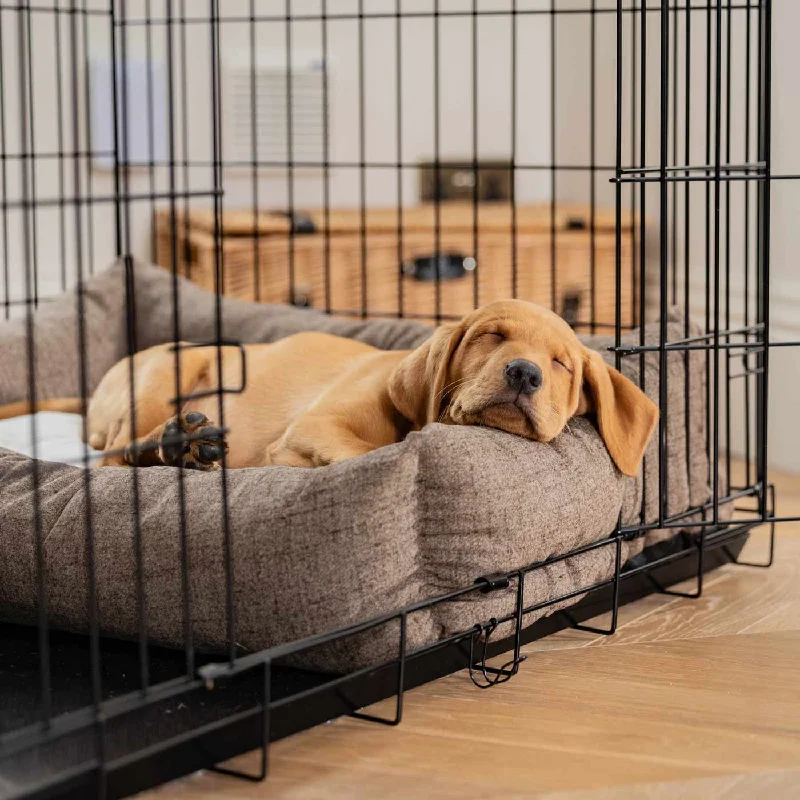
{"type": "Point", "coordinates": [202, 451]}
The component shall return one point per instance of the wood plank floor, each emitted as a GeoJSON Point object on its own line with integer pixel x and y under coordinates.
{"type": "Point", "coordinates": [690, 699]}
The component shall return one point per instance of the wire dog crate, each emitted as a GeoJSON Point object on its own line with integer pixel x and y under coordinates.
{"type": "Point", "coordinates": [115, 114]}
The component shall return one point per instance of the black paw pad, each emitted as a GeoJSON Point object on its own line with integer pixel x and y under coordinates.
{"type": "Point", "coordinates": [210, 452]}
{"type": "Point", "coordinates": [172, 445]}
{"type": "Point", "coordinates": [189, 441]}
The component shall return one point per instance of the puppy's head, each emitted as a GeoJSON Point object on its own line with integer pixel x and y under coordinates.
{"type": "Point", "coordinates": [515, 366]}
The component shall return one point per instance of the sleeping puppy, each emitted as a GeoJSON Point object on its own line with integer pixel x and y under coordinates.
{"type": "Point", "coordinates": [313, 399]}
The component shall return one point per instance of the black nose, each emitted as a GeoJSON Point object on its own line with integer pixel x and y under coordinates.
{"type": "Point", "coordinates": [523, 376]}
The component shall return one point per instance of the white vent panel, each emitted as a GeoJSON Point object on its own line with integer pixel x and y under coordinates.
{"type": "Point", "coordinates": [263, 92]}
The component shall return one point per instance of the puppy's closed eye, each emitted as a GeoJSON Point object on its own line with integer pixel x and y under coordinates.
{"type": "Point", "coordinates": [557, 362]}
{"type": "Point", "coordinates": [493, 336]}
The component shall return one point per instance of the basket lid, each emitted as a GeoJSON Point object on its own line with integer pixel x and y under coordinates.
{"type": "Point", "coordinates": [449, 217]}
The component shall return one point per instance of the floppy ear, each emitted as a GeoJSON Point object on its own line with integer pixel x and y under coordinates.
{"type": "Point", "coordinates": [416, 387]}
{"type": "Point", "coordinates": [626, 416]}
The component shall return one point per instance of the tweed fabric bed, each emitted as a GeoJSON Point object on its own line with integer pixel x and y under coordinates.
{"type": "Point", "coordinates": [314, 550]}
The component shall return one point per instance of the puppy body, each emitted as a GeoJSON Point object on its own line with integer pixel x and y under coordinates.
{"type": "Point", "coordinates": [312, 399]}
{"type": "Point", "coordinates": [309, 399]}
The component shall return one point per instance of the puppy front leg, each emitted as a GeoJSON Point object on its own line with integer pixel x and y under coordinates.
{"type": "Point", "coordinates": [317, 444]}
{"type": "Point", "coordinates": [167, 445]}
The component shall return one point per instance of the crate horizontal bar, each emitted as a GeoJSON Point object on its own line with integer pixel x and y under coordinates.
{"type": "Point", "coordinates": [314, 164]}
{"type": "Point", "coordinates": [226, 669]}
{"type": "Point", "coordinates": [200, 163]}
{"type": "Point", "coordinates": [442, 13]}
{"type": "Point", "coordinates": [33, 155]}
{"type": "Point", "coordinates": [680, 521]}
{"type": "Point", "coordinates": [28, 301]}
{"type": "Point", "coordinates": [758, 165]}
{"type": "Point", "coordinates": [628, 350]}
{"type": "Point", "coordinates": [705, 178]}
{"type": "Point", "coordinates": [90, 200]}
{"type": "Point", "coordinates": [386, 314]}
{"type": "Point", "coordinates": [746, 373]}
{"type": "Point", "coordinates": [76, 11]}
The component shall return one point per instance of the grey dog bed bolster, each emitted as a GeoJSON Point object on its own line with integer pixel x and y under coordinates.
{"type": "Point", "coordinates": [315, 550]}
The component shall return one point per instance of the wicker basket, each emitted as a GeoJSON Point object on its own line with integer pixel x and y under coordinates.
{"type": "Point", "coordinates": [381, 264]}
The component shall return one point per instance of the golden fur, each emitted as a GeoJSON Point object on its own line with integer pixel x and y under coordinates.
{"type": "Point", "coordinates": [312, 399]}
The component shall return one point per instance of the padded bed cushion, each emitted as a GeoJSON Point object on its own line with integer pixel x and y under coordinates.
{"type": "Point", "coordinates": [315, 550]}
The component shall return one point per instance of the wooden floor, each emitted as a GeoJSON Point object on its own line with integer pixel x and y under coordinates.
{"type": "Point", "coordinates": [690, 699]}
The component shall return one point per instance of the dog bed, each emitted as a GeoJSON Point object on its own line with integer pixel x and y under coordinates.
{"type": "Point", "coordinates": [314, 550]}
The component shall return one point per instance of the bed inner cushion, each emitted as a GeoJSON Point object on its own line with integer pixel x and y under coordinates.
{"type": "Point", "coordinates": [318, 549]}
{"type": "Point", "coordinates": [57, 437]}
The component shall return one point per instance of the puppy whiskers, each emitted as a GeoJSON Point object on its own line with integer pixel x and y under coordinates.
{"type": "Point", "coordinates": [459, 383]}
{"type": "Point", "coordinates": [453, 385]}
